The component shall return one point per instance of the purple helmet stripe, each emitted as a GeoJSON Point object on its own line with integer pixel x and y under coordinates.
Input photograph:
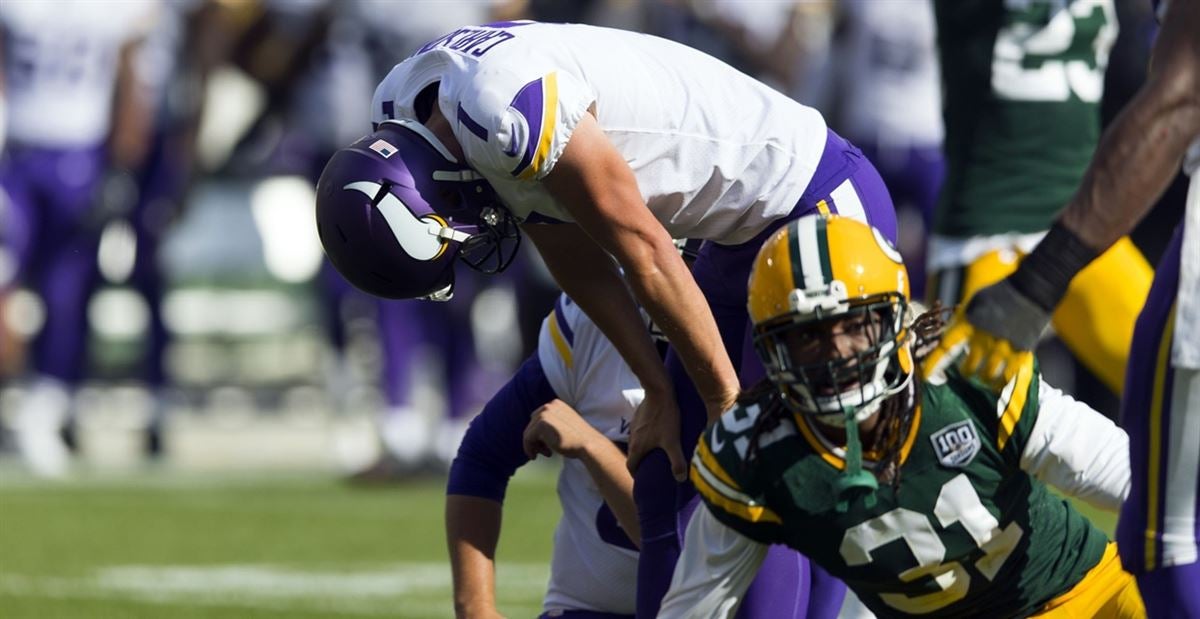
{"type": "Point", "coordinates": [472, 126]}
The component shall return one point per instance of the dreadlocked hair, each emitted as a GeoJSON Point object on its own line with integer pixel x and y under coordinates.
{"type": "Point", "coordinates": [897, 412]}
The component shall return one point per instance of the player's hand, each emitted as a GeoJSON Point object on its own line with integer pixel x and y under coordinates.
{"type": "Point", "coordinates": [558, 428]}
{"type": "Point", "coordinates": [656, 426]}
{"type": "Point", "coordinates": [997, 332]}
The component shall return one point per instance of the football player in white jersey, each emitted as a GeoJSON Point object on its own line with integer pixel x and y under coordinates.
{"type": "Point", "coordinates": [576, 397]}
{"type": "Point", "coordinates": [597, 143]}
{"type": "Point", "coordinates": [1159, 528]}
{"type": "Point", "coordinates": [77, 126]}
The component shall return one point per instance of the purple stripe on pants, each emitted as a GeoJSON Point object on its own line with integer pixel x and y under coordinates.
{"type": "Point", "coordinates": [1168, 591]}
{"type": "Point", "coordinates": [721, 272]}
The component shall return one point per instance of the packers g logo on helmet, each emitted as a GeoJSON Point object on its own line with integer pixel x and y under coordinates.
{"type": "Point", "coordinates": [820, 269]}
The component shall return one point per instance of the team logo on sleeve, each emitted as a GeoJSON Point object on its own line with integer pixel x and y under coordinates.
{"type": "Point", "coordinates": [956, 444]}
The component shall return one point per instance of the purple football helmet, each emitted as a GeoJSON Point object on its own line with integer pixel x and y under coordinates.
{"type": "Point", "coordinates": [395, 210]}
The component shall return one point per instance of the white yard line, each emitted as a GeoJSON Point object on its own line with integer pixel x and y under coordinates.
{"type": "Point", "coordinates": [412, 589]}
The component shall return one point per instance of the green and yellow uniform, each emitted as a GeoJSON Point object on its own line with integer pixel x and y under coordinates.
{"type": "Point", "coordinates": [1022, 83]}
{"type": "Point", "coordinates": [967, 532]}
{"type": "Point", "coordinates": [1022, 86]}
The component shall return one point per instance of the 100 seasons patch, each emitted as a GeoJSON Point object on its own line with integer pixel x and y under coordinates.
{"type": "Point", "coordinates": [956, 444]}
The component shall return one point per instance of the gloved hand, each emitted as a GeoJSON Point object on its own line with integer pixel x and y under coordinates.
{"type": "Point", "coordinates": [997, 332]}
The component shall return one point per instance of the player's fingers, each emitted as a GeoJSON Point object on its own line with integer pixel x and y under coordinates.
{"type": "Point", "coordinates": [949, 346]}
{"type": "Point", "coordinates": [633, 458]}
{"type": "Point", "coordinates": [679, 467]}
{"type": "Point", "coordinates": [974, 357]}
{"type": "Point", "coordinates": [992, 370]}
{"type": "Point", "coordinates": [530, 440]}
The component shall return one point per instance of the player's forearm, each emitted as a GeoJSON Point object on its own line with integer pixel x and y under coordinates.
{"type": "Point", "coordinates": [132, 115]}
{"type": "Point", "coordinates": [588, 275]}
{"type": "Point", "coordinates": [606, 465]}
{"type": "Point", "coordinates": [671, 297]}
{"type": "Point", "coordinates": [1140, 153]}
{"type": "Point", "coordinates": [1136, 160]}
{"type": "Point", "coordinates": [472, 531]}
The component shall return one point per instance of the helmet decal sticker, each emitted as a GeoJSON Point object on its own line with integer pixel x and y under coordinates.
{"type": "Point", "coordinates": [418, 237]}
{"type": "Point", "coordinates": [384, 149]}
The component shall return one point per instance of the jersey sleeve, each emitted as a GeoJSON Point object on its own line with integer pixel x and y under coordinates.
{"type": "Point", "coordinates": [1077, 450]}
{"type": "Point", "coordinates": [727, 483]}
{"type": "Point", "coordinates": [1006, 418]}
{"type": "Point", "coordinates": [491, 450]}
{"type": "Point", "coordinates": [518, 123]}
{"type": "Point", "coordinates": [563, 347]}
{"type": "Point", "coordinates": [714, 570]}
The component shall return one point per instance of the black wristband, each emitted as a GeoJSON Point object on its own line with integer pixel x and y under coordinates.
{"type": "Point", "coordinates": [1046, 273]}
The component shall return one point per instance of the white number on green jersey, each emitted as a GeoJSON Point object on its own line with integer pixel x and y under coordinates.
{"type": "Point", "coordinates": [956, 503]}
{"type": "Point", "coordinates": [1052, 79]}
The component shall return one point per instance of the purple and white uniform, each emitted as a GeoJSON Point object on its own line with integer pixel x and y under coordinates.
{"type": "Point", "coordinates": [60, 68]}
{"type": "Point", "coordinates": [1158, 533]}
{"type": "Point", "coordinates": [716, 154]}
{"type": "Point", "coordinates": [594, 564]}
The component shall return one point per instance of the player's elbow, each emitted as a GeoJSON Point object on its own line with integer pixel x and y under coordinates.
{"type": "Point", "coordinates": [1177, 91]}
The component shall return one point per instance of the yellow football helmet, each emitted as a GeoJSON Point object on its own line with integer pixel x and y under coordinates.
{"type": "Point", "coordinates": [830, 272]}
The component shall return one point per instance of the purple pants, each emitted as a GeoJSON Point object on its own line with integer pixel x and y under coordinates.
{"type": "Point", "coordinates": [405, 327]}
{"type": "Point", "coordinates": [722, 271]}
{"type": "Point", "coordinates": [1162, 496]}
{"type": "Point", "coordinates": [51, 192]}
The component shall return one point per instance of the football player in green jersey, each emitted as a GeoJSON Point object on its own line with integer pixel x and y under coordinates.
{"type": "Point", "coordinates": [926, 494]}
{"type": "Point", "coordinates": [1022, 82]}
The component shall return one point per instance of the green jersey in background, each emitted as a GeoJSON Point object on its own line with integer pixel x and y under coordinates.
{"type": "Point", "coordinates": [1022, 84]}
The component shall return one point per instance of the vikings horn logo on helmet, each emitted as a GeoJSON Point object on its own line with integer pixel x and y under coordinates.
{"type": "Point", "coordinates": [421, 238]}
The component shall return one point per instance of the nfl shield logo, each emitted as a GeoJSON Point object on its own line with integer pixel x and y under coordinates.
{"type": "Point", "coordinates": [383, 148]}
{"type": "Point", "coordinates": [956, 444]}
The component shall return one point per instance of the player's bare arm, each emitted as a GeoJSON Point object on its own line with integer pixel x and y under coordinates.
{"type": "Point", "coordinates": [599, 189]}
{"type": "Point", "coordinates": [472, 530]}
{"type": "Point", "coordinates": [588, 275]}
{"type": "Point", "coordinates": [1140, 153]}
{"type": "Point", "coordinates": [558, 428]}
{"type": "Point", "coordinates": [131, 114]}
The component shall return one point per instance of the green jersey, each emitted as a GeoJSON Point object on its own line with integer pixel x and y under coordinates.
{"type": "Point", "coordinates": [1022, 81]}
{"type": "Point", "coordinates": [965, 533]}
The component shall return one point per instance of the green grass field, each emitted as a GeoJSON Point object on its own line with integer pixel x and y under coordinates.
{"type": "Point", "coordinates": [191, 546]}
{"type": "Point", "coordinates": [183, 546]}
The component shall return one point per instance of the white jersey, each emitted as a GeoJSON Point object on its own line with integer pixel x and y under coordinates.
{"type": "Point", "coordinates": [60, 66]}
{"type": "Point", "coordinates": [717, 155]}
{"type": "Point", "coordinates": [891, 80]}
{"type": "Point", "coordinates": [587, 372]}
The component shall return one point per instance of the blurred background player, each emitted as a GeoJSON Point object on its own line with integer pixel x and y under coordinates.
{"type": "Point", "coordinates": [1023, 84]}
{"type": "Point", "coordinates": [1159, 528]}
{"type": "Point", "coordinates": [188, 40]}
{"type": "Point", "coordinates": [887, 89]}
{"type": "Point", "coordinates": [77, 131]}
